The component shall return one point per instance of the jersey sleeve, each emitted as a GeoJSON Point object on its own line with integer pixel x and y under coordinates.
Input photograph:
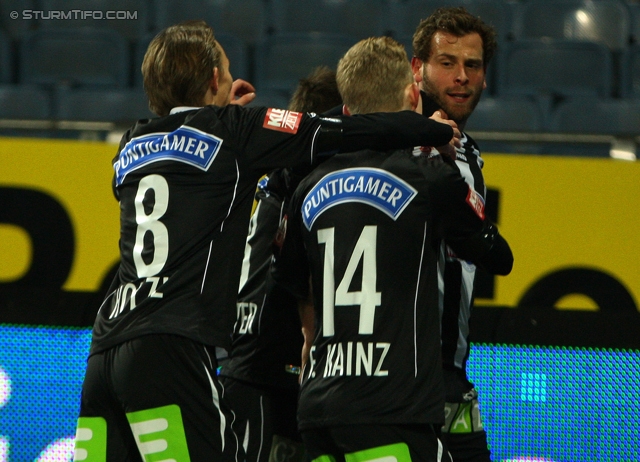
{"type": "Point", "coordinates": [272, 138]}
{"type": "Point", "coordinates": [461, 221]}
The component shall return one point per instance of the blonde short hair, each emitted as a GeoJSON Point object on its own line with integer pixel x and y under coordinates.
{"type": "Point", "coordinates": [373, 75]}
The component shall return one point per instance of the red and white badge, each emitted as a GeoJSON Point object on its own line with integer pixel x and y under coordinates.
{"type": "Point", "coordinates": [282, 120]}
{"type": "Point", "coordinates": [476, 202]}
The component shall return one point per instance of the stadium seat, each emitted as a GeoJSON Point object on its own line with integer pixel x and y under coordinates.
{"type": "Point", "coordinates": [16, 28]}
{"type": "Point", "coordinates": [506, 115]}
{"type": "Point", "coordinates": [555, 68]}
{"type": "Point", "coordinates": [635, 21]}
{"type": "Point", "coordinates": [234, 47]}
{"type": "Point", "coordinates": [24, 102]}
{"type": "Point", "coordinates": [94, 57]}
{"type": "Point", "coordinates": [606, 21]}
{"type": "Point", "coordinates": [130, 18]}
{"type": "Point", "coordinates": [283, 59]}
{"type": "Point", "coordinates": [406, 15]}
{"type": "Point", "coordinates": [236, 51]}
{"type": "Point", "coordinates": [271, 98]}
{"type": "Point", "coordinates": [6, 59]}
{"type": "Point", "coordinates": [357, 18]}
{"type": "Point", "coordinates": [600, 116]}
{"type": "Point", "coordinates": [121, 106]}
{"type": "Point", "coordinates": [631, 72]}
{"type": "Point", "coordinates": [246, 19]}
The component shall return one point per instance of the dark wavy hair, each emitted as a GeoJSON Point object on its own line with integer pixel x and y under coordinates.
{"type": "Point", "coordinates": [459, 22]}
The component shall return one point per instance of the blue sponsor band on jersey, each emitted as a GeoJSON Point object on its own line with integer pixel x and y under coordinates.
{"type": "Point", "coordinates": [375, 187]}
{"type": "Point", "coordinates": [186, 144]}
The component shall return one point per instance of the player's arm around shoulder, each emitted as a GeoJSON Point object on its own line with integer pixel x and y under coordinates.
{"type": "Point", "coordinates": [462, 222]}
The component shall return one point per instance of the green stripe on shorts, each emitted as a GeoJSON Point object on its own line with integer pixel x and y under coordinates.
{"type": "Point", "coordinates": [91, 440]}
{"type": "Point", "coordinates": [159, 434]}
{"type": "Point", "coordinates": [398, 452]}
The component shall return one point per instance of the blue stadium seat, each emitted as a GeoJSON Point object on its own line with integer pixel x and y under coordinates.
{"type": "Point", "coordinates": [406, 15]}
{"type": "Point", "coordinates": [606, 21]}
{"type": "Point", "coordinates": [247, 19]}
{"type": "Point", "coordinates": [94, 57]}
{"type": "Point", "coordinates": [357, 18]}
{"type": "Point", "coordinates": [17, 28]}
{"type": "Point", "coordinates": [6, 59]}
{"type": "Point", "coordinates": [234, 47]}
{"type": "Point", "coordinates": [270, 98]}
{"type": "Point", "coordinates": [139, 50]}
{"type": "Point", "coordinates": [121, 106]}
{"type": "Point", "coordinates": [130, 18]}
{"type": "Point", "coordinates": [635, 21]}
{"type": "Point", "coordinates": [283, 59]}
{"type": "Point", "coordinates": [547, 68]}
{"type": "Point", "coordinates": [407, 41]}
{"type": "Point", "coordinates": [631, 72]}
{"type": "Point", "coordinates": [601, 116]}
{"type": "Point", "coordinates": [236, 51]}
{"type": "Point", "coordinates": [24, 102]}
{"type": "Point", "coordinates": [506, 115]}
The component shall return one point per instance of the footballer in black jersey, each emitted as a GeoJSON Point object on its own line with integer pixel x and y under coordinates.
{"type": "Point", "coordinates": [366, 229]}
{"type": "Point", "coordinates": [261, 376]}
{"type": "Point", "coordinates": [369, 227]}
{"type": "Point", "coordinates": [452, 49]}
{"type": "Point", "coordinates": [185, 183]}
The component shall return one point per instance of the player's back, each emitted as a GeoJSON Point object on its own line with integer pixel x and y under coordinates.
{"type": "Point", "coordinates": [185, 183]}
{"type": "Point", "coordinates": [371, 225]}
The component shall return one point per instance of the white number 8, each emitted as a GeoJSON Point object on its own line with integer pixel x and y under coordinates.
{"type": "Point", "coordinates": [150, 223]}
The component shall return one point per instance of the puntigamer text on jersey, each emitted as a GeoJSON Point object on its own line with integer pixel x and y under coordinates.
{"type": "Point", "coordinates": [375, 187]}
{"type": "Point", "coordinates": [186, 144]}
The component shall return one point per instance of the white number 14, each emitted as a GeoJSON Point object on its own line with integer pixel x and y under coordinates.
{"type": "Point", "coordinates": [367, 298]}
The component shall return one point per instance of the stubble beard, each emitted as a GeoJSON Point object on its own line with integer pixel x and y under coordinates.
{"type": "Point", "coordinates": [458, 116]}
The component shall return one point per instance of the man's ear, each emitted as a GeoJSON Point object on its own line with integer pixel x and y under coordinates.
{"type": "Point", "coordinates": [412, 96]}
{"type": "Point", "coordinates": [213, 84]}
{"type": "Point", "coordinates": [416, 66]}
{"type": "Point", "coordinates": [345, 110]}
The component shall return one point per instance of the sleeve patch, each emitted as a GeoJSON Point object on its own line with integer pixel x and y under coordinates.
{"type": "Point", "coordinates": [281, 234]}
{"type": "Point", "coordinates": [282, 120]}
{"type": "Point", "coordinates": [476, 202]}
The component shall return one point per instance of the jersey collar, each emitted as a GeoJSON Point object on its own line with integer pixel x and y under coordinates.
{"type": "Point", "coordinates": [175, 110]}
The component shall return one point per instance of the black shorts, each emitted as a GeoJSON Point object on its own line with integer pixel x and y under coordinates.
{"type": "Point", "coordinates": [157, 394]}
{"type": "Point", "coordinates": [363, 442]}
{"type": "Point", "coordinates": [261, 413]}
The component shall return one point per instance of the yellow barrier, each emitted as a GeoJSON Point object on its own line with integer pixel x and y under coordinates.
{"type": "Point", "coordinates": [78, 176]}
{"type": "Point", "coordinates": [557, 213]}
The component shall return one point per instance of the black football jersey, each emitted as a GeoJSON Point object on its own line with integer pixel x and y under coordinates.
{"type": "Point", "coordinates": [367, 226]}
{"type": "Point", "coordinates": [267, 338]}
{"type": "Point", "coordinates": [456, 277]}
{"type": "Point", "coordinates": [185, 184]}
